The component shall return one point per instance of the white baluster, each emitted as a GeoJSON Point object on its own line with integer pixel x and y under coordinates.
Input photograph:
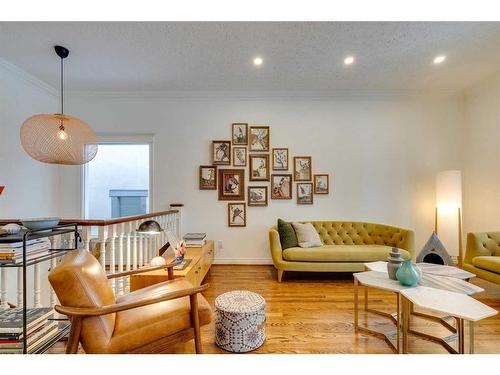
{"type": "Point", "coordinates": [103, 235]}
{"type": "Point", "coordinates": [141, 250]}
{"type": "Point", "coordinates": [3, 290]}
{"type": "Point", "coordinates": [112, 266]}
{"type": "Point", "coordinates": [19, 287]}
{"type": "Point", "coordinates": [36, 295]}
{"type": "Point", "coordinates": [128, 230]}
{"type": "Point", "coordinates": [86, 233]}
{"type": "Point", "coordinates": [121, 229]}
{"type": "Point", "coordinates": [134, 245]}
{"type": "Point", "coordinates": [53, 297]}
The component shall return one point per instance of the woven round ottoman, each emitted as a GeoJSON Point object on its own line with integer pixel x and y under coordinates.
{"type": "Point", "coordinates": [240, 321]}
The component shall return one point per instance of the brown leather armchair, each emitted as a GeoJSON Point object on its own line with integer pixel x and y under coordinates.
{"type": "Point", "coordinates": [145, 321]}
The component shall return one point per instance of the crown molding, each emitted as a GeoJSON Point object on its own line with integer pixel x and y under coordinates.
{"type": "Point", "coordinates": [27, 78]}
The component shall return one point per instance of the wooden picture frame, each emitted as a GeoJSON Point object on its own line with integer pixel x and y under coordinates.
{"type": "Point", "coordinates": [280, 159]}
{"type": "Point", "coordinates": [231, 184]}
{"type": "Point", "coordinates": [258, 167]}
{"type": "Point", "coordinates": [319, 184]}
{"type": "Point", "coordinates": [305, 193]}
{"type": "Point", "coordinates": [259, 138]}
{"type": "Point", "coordinates": [237, 214]}
{"type": "Point", "coordinates": [281, 186]}
{"type": "Point", "coordinates": [208, 177]}
{"type": "Point", "coordinates": [239, 156]}
{"type": "Point", "coordinates": [221, 152]}
{"type": "Point", "coordinates": [257, 196]}
{"type": "Point", "coordinates": [239, 133]}
{"type": "Point", "coordinates": [302, 168]}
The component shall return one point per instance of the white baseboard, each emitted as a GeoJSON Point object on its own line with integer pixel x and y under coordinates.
{"type": "Point", "coordinates": [241, 261]}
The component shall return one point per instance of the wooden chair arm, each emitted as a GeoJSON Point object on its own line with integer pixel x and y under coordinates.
{"type": "Point", "coordinates": [81, 312]}
{"type": "Point", "coordinates": [141, 270]}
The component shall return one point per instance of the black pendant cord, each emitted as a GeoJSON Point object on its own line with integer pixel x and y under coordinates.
{"type": "Point", "coordinates": [62, 86]}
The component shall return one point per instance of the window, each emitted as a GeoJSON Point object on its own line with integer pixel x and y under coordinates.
{"type": "Point", "coordinates": [116, 181]}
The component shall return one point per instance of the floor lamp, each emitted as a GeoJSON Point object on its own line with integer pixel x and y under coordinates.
{"type": "Point", "coordinates": [449, 199]}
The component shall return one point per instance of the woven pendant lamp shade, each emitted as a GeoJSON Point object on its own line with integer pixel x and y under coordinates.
{"type": "Point", "coordinates": [58, 139]}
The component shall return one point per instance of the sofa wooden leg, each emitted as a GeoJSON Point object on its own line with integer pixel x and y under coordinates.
{"type": "Point", "coordinates": [195, 321]}
{"type": "Point", "coordinates": [280, 275]}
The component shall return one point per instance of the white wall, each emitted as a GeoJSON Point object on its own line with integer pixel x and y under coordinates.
{"type": "Point", "coordinates": [382, 154]}
{"type": "Point", "coordinates": [31, 187]}
{"type": "Point", "coordinates": [482, 157]}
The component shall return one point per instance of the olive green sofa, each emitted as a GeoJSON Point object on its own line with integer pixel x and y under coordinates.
{"type": "Point", "coordinates": [482, 255]}
{"type": "Point", "coordinates": [346, 246]}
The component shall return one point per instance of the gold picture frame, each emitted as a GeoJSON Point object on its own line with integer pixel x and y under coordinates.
{"type": "Point", "coordinates": [239, 137]}
{"type": "Point", "coordinates": [231, 184]}
{"type": "Point", "coordinates": [258, 167]}
{"type": "Point", "coordinates": [302, 168]}
{"type": "Point", "coordinates": [221, 152]}
{"type": "Point", "coordinates": [319, 183]}
{"type": "Point", "coordinates": [258, 196]}
{"type": "Point", "coordinates": [281, 186]}
{"type": "Point", "coordinates": [239, 156]}
{"type": "Point", "coordinates": [305, 193]}
{"type": "Point", "coordinates": [237, 214]}
{"type": "Point", "coordinates": [280, 159]}
{"type": "Point", "coordinates": [208, 177]}
{"type": "Point", "coordinates": [259, 138]}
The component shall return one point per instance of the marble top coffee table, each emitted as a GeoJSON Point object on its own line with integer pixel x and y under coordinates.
{"type": "Point", "coordinates": [458, 305]}
{"type": "Point", "coordinates": [378, 278]}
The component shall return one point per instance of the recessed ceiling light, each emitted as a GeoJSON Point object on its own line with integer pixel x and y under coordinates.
{"type": "Point", "coordinates": [258, 61]}
{"type": "Point", "coordinates": [348, 60]}
{"type": "Point", "coordinates": [439, 59]}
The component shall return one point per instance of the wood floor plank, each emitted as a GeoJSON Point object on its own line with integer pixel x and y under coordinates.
{"type": "Point", "coordinates": [313, 313]}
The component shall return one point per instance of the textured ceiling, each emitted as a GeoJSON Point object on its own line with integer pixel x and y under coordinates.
{"type": "Point", "coordinates": [302, 56]}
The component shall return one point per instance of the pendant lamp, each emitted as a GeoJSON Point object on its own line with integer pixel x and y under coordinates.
{"type": "Point", "coordinates": [59, 138]}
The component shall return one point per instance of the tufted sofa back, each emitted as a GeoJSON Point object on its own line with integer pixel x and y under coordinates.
{"type": "Point", "coordinates": [482, 244]}
{"type": "Point", "coordinates": [359, 233]}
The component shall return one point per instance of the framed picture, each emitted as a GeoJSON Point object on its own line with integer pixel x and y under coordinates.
{"type": "Point", "coordinates": [221, 152]}
{"type": "Point", "coordinates": [257, 196]}
{"type": "Point", "coordinates": [208, 177]}
{"type": "Point", "coordinates": [231, 184]}
{"type": "Point", "coordinates": [239, 133]}
{"type": "Point", "coordinates": [280, 159]}
{"type": "Point", "coordinates": [259, 167]}
{"type": "Point", "coordinates": [239, 156]}
{"type": "Point", "coordinates": [321, 184]}
{"type": "Point", "coordinates": [281, 186]}
{"type": "Point", "coordinates": [259, 138]}
{"type": "Point", "coordinates": [302, 168]}
{"type": "Point", "coordinates": [305, 193]}
{"type": "Point", "coordinates": [237, 214]}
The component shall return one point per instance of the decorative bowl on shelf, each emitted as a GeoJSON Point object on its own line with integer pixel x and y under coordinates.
{"type": "Point", "coordinates": [45, 223]}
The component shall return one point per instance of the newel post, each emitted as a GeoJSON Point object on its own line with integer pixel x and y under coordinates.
{"type": "Point", "coordinates": [179, 218]}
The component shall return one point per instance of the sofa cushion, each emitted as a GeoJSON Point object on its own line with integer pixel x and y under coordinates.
{"type": "Point", "coordinates": [288, 238]}
{"type": "Point", "coordinates": [307, 235]}
{"type": "Point", "coordinates": [341, 253]}
{"type": "Point", "coordinates": [488, 263]}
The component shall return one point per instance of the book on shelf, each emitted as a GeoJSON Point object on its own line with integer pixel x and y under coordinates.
{"type": "Point", "coordinates": [33, 337]}
{"type": "Point", "coordinates": [195, 239]}
{"type": "Point", "coordinates": [15, 254]}
{"type": "Point", "coordinates": [11, 320]}
{"type": "Point", "coordinates": [32, 344]}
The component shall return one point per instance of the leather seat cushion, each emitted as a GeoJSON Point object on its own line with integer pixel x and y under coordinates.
{"type": "Point", "coordinates": [341, 253]}
{"type": "Point", "coordinates": [488, 263]}
{"type": "Point", "coordinates": [143, 325]}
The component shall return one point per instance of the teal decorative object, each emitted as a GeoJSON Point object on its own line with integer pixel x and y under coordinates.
{"type": "Point", "coordinates": [407, 274]}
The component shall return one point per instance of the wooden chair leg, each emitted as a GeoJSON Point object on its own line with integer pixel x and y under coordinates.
{"type": "Point", "coordinates": [74, 336]}
{"type": "Point", "coordinates": [280, 275]}
{"type": "Point", "coordinates": [195, 321]}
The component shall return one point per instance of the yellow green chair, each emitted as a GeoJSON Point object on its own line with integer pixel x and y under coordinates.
{"type": "Point", "coordinates": [346, 247]}
{"type": "Point", "coordinates": [482, 255]}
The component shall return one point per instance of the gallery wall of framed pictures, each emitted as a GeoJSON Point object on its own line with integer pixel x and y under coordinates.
{"type": "Point", "coordinates": [272, 170]}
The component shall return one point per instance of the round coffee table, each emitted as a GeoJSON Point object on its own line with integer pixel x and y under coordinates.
{"type": "Point", "coordinates": [240, 321]}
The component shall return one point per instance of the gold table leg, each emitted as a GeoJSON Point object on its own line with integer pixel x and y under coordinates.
{"type": "Point", "coordinates": [355, 304]}
{"type": "Point", "coordinates": [471, 337]}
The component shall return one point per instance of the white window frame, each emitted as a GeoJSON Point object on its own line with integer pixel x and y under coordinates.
{"type": "Point", "coordinates": [111, 139]}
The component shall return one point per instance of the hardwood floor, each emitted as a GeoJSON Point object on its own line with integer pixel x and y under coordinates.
{"type": "Point", "coordinates": [313, 313]}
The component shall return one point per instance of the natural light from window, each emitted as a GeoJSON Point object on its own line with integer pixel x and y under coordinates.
{"type": "Point", "coordinates": [116, 181]}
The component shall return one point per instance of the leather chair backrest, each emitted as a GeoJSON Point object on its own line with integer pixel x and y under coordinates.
{"type": "Point", "coordinates": [80, 281]}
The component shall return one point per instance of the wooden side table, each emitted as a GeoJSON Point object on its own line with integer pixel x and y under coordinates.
{"type": "Point", "coordinates": [200, 261]}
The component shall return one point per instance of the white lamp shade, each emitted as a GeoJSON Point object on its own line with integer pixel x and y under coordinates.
{"type": "Point", "coordinates": [449, 190]}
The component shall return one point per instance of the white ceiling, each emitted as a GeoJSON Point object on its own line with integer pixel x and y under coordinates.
{"type": "Point", "coordinates": [127, 56]}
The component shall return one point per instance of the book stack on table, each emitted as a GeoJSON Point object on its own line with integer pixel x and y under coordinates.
{"type": "Point", "coordinates": [40, 329]}
{"type": "Point", "coordinates": [195, 239]}
{"type": "Point", "coordinates": [13, 252]}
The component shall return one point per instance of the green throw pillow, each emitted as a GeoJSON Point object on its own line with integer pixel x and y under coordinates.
{"type": "Point", "coordinates": [288, 238]}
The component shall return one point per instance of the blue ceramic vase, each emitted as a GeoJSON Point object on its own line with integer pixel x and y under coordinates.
{"type": "Point", "coordinates": [407, 274]}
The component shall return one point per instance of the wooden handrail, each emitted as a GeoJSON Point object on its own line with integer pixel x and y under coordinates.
{"type": "Point", "coordinates": [100, 223]}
